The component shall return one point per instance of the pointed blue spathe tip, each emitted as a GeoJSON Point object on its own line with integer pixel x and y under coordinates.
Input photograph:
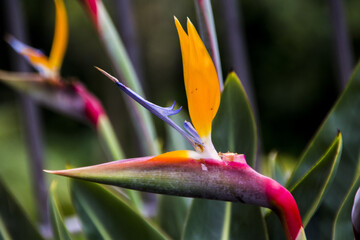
{"type": "Point", "coordinates": [162, 112]}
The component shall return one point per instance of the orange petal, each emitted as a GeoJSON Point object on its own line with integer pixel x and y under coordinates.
{"type": "Point", "coordinates": [201, 81]}
{"type": "Point", "coordinates": [60, 36]}
{"type": "Point", "coordinates": [184, 43]}
{"type": "Point", "coordinates": [176, 156]}
{"type": "Point", "coordinates": [35, 57]}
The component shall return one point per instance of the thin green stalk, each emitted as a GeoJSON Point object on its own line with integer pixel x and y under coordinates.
{"type": "Point", "coordinates": [227, 222]}
{"type": "Point", "coordinates": [208, 34]}
{"type": "Point", "coordinates": [107, 135]}
{"type": "Point", "coordinates": [124, 68]}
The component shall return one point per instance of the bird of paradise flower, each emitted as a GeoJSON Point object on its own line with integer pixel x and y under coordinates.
{"type": "Point", "coordinates": [204, 172]}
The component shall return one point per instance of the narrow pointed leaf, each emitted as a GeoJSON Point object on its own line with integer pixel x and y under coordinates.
{"type": "Point", "coordinates": [343, 226]}
{"type": "Point", "coordinates": [310, 190]}
{"type": "Point", "coordinates": [106, 216]}
{"type": "Point", "coordinates": [234, 126]}
{"type": "Point", "coordinates": [12, 217]}
{"type": "Point", "coordinates": [345, 116]}
{"type": "Point", "coordinates": [60, 231]}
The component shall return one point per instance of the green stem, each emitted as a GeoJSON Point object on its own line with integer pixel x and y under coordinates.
{"type": "Point", "coordinates": [124, 68]}
{"type": "Point", "coordinates": [107, 135]}
{"type": "Point", "coordinates": [208, 34]}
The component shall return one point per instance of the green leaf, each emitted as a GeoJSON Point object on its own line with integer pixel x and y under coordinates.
{"type": "Point", "coordinates": [342, 228]}
{"type": "Point", "coordinates": [224, 220]}
{"type": "Point", "coordinates": [278, 167]}
{"type": "Point", "coordinates": [234, 127]}
{"type": "Point", "coordinates": [247, 222]}
{"type": "Point", "coordinates": [310, 190]}
{"type": "Point", "coordinates": [105, 215]}
{"type": "Point", "coordinates": [59, 229]}
{"type": "Point", "coordinates": [207, 220]}
{"type": "Point", "coordinates": [345, 116]}
{"type": "Point", "coordinates": [172, 212]}
{"type": "Point", "coordinates": [14, 224]}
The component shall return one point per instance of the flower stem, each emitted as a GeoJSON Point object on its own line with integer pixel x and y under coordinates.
{"type": "Point", "coordinates": [107, 135]}
{"type": "Point", "coordinates": [208, 34]}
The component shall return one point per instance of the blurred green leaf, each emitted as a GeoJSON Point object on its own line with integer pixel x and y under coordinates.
{"type": "Point", "coordinates": [105, 215]}
{"type": "Point", "coordinates": [342, 228]}
{"type": "Point", "coordinates": [207, 220]}
{"type": "Point", "coordinates": [14, 224]}
{"type": "Point", "coordinates": [59, 229]}
{"type": "Point", "coordinates": [108, 137]}
{"type": "Point", "coordinates": [247, 222]}
{"type": "Point", "coordinates": [172, 212]}
{"type": "Point", "coordinates": [310, 190]}
{"type": "Point", "coordinates": [175, 141]}
{"type": "Point", "coordinates": [345, 116]}
{"type": "Point", "coordinates": [278, 167]}
{"type": "Point", "coordinates": [234, 127]}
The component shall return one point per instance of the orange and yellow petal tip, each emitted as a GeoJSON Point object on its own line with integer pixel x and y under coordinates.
{"type": "Point", "coordinates": [60, 36]}
{"type": "Point", "coordinates": [176, 156]}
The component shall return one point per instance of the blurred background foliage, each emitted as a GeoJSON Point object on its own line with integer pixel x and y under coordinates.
{"type": "Point", "coordinates": [292, 66]}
